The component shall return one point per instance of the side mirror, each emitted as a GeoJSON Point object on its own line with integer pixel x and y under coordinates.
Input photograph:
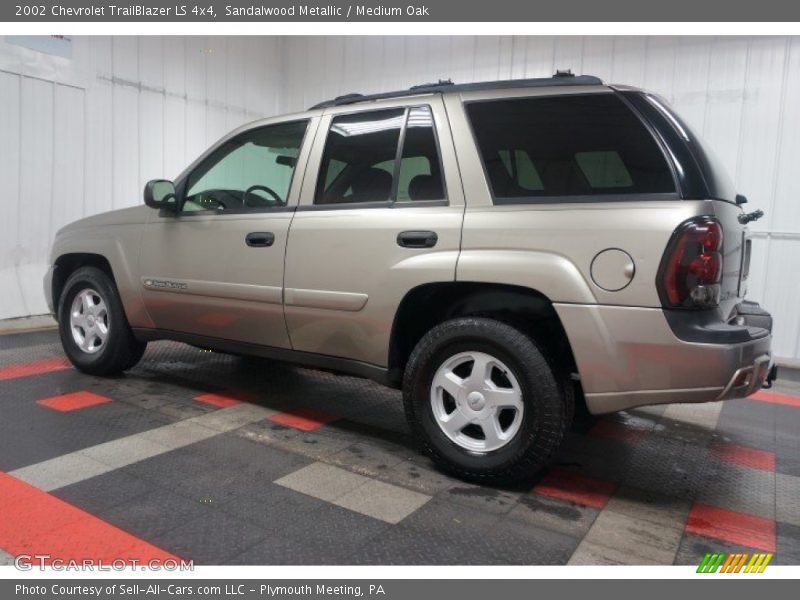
{"type": "Point", "coordinates": [160, 193]}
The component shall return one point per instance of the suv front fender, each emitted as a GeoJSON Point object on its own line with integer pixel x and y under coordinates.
{"type": "Point", "coordinates": [117, 244]}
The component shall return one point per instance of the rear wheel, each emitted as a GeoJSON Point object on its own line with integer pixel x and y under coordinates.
{"type": "Point", "coordinates": [484, 401]}
{"type": "Point", "coordinates": [94, 331]}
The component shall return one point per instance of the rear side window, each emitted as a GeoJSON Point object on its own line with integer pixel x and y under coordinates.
{"type": "Point", "coordinates": [381, 156]}
{"type": "Point", "coordinates": [714, 174]}
{"type": "Point", "coordinates": [583, 145]}
{"type": "Point", "coordinates": [521, 169]}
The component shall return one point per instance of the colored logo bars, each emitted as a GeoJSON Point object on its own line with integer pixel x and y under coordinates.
{"type": "Point", "coordinates": [734, 563]}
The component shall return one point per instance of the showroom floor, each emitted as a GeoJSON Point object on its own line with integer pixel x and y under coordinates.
{"type": "Point", "coordinates": [223, 460]}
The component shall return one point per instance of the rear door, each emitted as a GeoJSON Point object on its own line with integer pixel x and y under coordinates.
{"type": "Point", "coordinates": [380, 213]}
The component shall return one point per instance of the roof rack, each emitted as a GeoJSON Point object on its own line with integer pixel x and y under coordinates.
{"type": "Point", "coordinates": [559, 78]}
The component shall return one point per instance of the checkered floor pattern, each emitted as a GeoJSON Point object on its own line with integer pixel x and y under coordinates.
{"type": "Point", "coordinates": [225, 460]}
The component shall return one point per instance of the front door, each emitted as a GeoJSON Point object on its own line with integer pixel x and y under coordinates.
{"type": "Point", "coordinates": [380, 214]}
{"type": "Point", "coordinates": [216, 269]}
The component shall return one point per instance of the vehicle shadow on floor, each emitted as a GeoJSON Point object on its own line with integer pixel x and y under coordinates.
{"type": "Point", "coordinates": [642, 448]}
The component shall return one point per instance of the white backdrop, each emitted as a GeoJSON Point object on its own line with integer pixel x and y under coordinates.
{"type": "Point", "coordinates": [83, 135]}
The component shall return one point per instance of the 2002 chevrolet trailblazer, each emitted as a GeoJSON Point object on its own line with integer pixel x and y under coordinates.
{"type": "Point", "coordinates": [502, 251]}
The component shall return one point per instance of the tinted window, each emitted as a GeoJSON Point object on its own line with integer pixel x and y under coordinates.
{"type": "Point", "coordinates": [714, 173]}
{"type": "Point", "coordinates": [360, 159]}
{"type": "Point", "coordinates": [252, 171]}
{"type": "Point", "coordinates": [521, 169]}
{"type": "Point", "coordinates": [357, 144]}
{"type": "Point", "coordinates": [420, 176]}
{"type": "Point", "coordinates": [567, 146]}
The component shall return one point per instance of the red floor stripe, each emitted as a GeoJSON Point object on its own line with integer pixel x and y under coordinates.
{"type": "Point", "coordinates": [565, 485]}
{"type": "Point", "coordinates": [33, 522]}
{"type": "Point", "coordinates": [74, 401]}
{"type": "Point", "coordinates": [732, 527]}
{"type": "Point", "coordinates": [776, 398]}
{"type": "Point", "coordinates": [620, 432]}
{"type": "Point", "coordinates": [303, 419]}
{"type": "Point", "coordinates": [747, 457]}
{"type": "Point", "coordinates": [226, 398]}
{"type": "Point", "coordinates": [34, 368]}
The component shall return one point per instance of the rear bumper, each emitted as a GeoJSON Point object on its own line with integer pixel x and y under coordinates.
{"type": "Point", "coordinates": [748, 379]}
{"type": "Point", "coordinates": [630, 357]}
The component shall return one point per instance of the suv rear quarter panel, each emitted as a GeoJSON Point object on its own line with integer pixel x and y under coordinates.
{"type": "Point", "coordinates": [549, 247]}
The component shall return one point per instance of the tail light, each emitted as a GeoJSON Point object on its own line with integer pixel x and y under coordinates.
{"type": "Point", "coordinates": [691, 269]}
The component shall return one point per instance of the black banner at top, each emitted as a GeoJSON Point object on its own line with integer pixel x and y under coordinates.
{"type": "Point", "coordinates": [177, 11]}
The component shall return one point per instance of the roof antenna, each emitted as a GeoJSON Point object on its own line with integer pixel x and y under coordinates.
{"type": "Point", "coordinates": [564, 73]}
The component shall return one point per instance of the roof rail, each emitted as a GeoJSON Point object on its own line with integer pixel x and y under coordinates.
{"type": "Point", "coordinates": [446, 85]}
{"type": "Point", "coordinates": [427, 85]}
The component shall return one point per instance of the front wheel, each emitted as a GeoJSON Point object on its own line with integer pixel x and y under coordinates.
{"type": "Point", "coordinates": [94, 331]}
{"type": "Point", "coordinates": [484, 401]}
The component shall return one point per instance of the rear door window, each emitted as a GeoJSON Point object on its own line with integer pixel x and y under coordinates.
{"type": "Point", "coordinates": [419, 174]}
{"type": "Point", "coordinates": [381, 156]}
{"type": "Point", "coordinates": [548, 149]}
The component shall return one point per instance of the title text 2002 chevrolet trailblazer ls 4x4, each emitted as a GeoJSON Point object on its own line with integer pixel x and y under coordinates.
{"type": "Point", "coordinates": [502, 251]}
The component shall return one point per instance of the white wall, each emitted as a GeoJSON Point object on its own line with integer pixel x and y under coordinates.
{"type": "Point", "coordinates": [80, 136]}
{"type": "Point", "coordinates": [741, 93]}
{"type": "Point", "coordinates": [83, 135]}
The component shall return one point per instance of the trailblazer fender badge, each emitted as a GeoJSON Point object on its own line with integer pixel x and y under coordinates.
{"type": "Point", "coordinates": [163, 284]}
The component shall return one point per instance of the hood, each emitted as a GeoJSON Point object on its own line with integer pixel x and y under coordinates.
{"type": "Point", "coordinates": [122, 216]}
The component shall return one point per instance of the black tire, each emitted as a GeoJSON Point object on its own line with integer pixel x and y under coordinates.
{"type": "Point", "coordinates": [120, 350]}
{"type": "Point", "coordinates": [546, 409]}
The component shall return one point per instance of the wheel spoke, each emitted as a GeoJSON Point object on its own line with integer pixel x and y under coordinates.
{"type": "Point", "coordinates": [101, 321]}
{"type": "Point", "coordinates": [88, 342]}
{"type": "Point", "coordinates": [451, 383]}
{"type": "Point", "coordinates": [78, 320]}
{"type": "Point", "coordinates": [455, 422]}
{"type": "Point", "coordinates": [493, 435]}
{"type": "Point", "coordinates": [481, 370]}
{"type": "Point", "coordinates": [503, 397]}
{"type": "Point", "coordinates": [86, 302]}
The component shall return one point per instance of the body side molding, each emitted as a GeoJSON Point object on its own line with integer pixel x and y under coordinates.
{"type": "Point", "coordinates": [214, 289]}
{"type": "Point", "coordinates": [325, 299]}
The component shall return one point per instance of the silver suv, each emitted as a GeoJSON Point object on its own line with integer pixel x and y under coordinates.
{"type": "Point", "coordinates": [501, 251]}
